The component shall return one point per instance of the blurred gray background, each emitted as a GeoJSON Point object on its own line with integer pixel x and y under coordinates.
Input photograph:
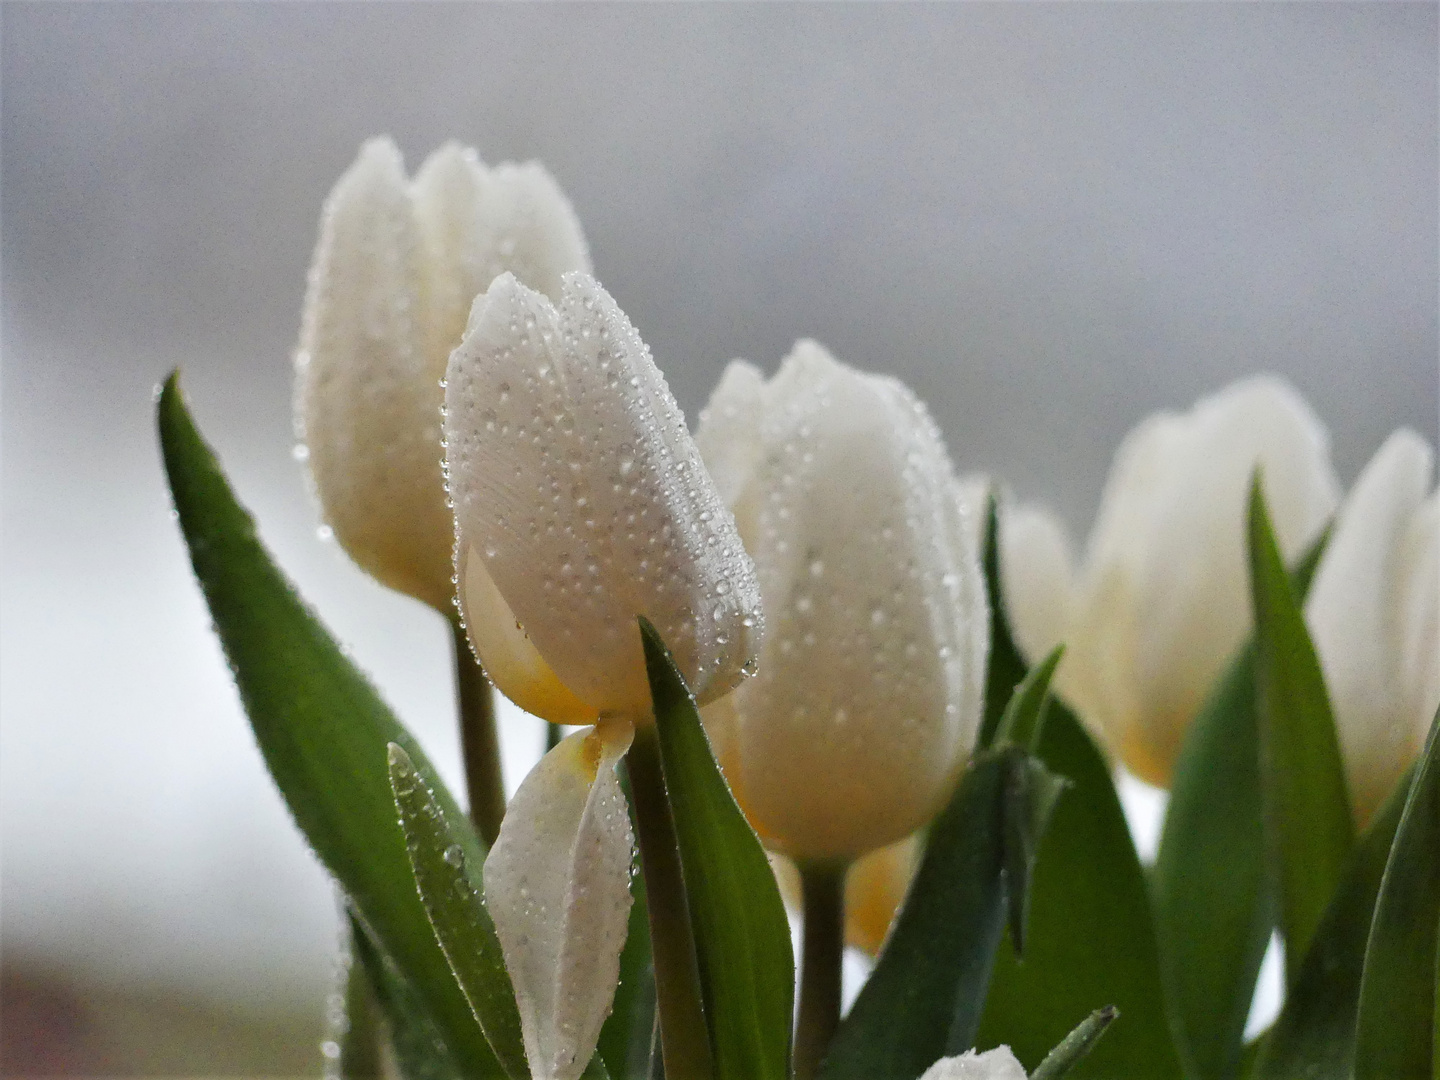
{"type": "Point", "coordinates": [1049, 220]}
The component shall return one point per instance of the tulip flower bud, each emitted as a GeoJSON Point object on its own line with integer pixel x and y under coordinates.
{"type": "Point", "coordinates": [1162, 601]}
{"type": "Point", "coordinates": [557, 885]}
{"type": "Point", "coordinates": [580, 504]}
{"type": "Point", "coordinates": [868, 692]}
{"type": "Point", "coordinates": [997, 1064]}
{"type": "Point", "coordinates": [394, 272]}
{"type": "Point", "coordinates": [1037, 573]}
{"type": "Point", "coordinates": [1374, 614]}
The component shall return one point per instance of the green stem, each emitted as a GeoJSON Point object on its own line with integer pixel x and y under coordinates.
{"type": "Point", "coordinates": [822, 945]}
{"type": "Point", "coordinates": [479, 741]}
{"type": "Point", "coordinates": [684, 1037]}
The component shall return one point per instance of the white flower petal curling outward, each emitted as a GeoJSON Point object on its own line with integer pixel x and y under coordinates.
{"type": "Point", "coordinates": [557, 885]}
{"type": "Point", "coordinates": [1162, 601]}
{"type": "Point", "coordinates": [1374, 614]}
{"type": "Point", "coordinates": [997, 1064]}
{"type": "Point", "coordinates": [394, 272]}
{"type": "Point", "coordinates": [867, 694]}
{"type": "Point", "coordinates": [581, 503]}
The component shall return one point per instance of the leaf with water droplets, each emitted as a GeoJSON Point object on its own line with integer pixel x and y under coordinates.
{"type": "Point", "coordinates": [447, 857]}
{"type": "Point", "coordinates": [321, 727]}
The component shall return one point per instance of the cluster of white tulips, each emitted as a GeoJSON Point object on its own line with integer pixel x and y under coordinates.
{"type": "Point", "coordinates": [488, 433]}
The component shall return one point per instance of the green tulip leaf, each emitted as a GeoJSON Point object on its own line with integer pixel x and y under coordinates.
{"type": "Point", "coordinates": [1314, 1034]}
{"type": "Point", "coordinates": [359, 1041]}
{"type": "Point", "coordinates": [1091, 934]}
{"type": "Point", "coordinates": [1031, 792]}
{"type": "Point", "coordinates": [448, 860]}
{"type": "Point", "coordinates": [742, 936]}
{"type": "Point", "coordinates": [1024, 714]}
{"type": "Point", "coordinates": [1308, 826]}
{"type": "Point", "coordinates": [1060, 1061]}
{"type": "Point", "coordinates": [1395, 1032]}
{"type": "Point", "coordinates": [1004, 666]}
{"type": "Point", "coordinates": [923, 999]}
{"type": "Point", "coordinates": [1213, 886]}
{"type": "Point", "coordinates": [321, 727]}
{"type": "Point", "coordinates": [418, 1047]}
{"type": "Point", "coordinates": [625, 1039]}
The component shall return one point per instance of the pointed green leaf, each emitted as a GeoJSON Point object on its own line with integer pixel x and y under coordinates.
{"type": "Point", "coordinates": [1308, 825]}
{"type": "Point", "coordinates": [1395, 1032]}
{"type": "Point", "coordinates": [361, 1036]}
{"type": "Point", "coordinates": [1031, 791]}
{"type": "Point", "coordinates": [1024, 714]}
{"type": "Point", "coordinates": [1213, 885]}
{"type": "Point", "coordinates": [1060, 1061]}
{"type": "Point", "coordinates": [747, 970]}
{"type": "Point", "coordinates": [448, 860]}
{"type": "Point", "coordinates": [1315, 1032]}
{"type": "Point", "coordinates": [925, 993]}
{"type": "Point", "coordinates": [625, 1039]}
{"type": "Point", "coordinates": [418, 1047]}
{"type": "Point", "coordinates": [320, 725]}
{"type": "Point", "coordinates": [1091, 934]}
{"type": "Point", "coordinates": [1004, 666]}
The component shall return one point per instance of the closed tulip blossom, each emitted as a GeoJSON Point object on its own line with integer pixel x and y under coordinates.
{"type": "Point", "coordinates": [868, 690]}
{"type": "Point", "coordinates": [1374, 614]}
{"type": "Point", "coordinates": [1161, 601]}
{"type": "Point", "coordinates": [580, 504]}
{"type": "Point", "coordinates": [396, 267]}
{"type": "Point", "coordinates": [997, 1064]}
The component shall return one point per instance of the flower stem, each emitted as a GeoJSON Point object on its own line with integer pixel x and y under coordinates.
{"type": "Point", "coordinates": [684, 1037]}
{"type": "Point", "coordinates": [822, 944]}
{"type": "Point", "coordinates": [479, 741]}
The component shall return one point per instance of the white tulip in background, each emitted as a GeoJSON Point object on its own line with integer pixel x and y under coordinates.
{"type": "Point", "coordinates": [1374, 614]}
{"type": "Point", "coordinates": [867, 694]}
{"type": "Point", "coordinates": [396, 268]}
{"type": "Point", "coordinates": [557, 884]}
{"type": "Point", "coordinates": [1162, 599]}
{"type": "Point", "coordinates": [997, 1064]}
{"type": "Point", "coordinates": [581, 503]}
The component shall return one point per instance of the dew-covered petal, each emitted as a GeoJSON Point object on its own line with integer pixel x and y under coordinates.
{"type": "Point", "coordinates": [557, 885]}
{"type": "Point", "coordinates": [394, 273]}
{"type": "Point", "coordinates": [728, 434]}
{"type": "Point", "coordinates": [573, 474]}
{"type": "Point", "coordinates": [997, 1064]}
{"type": "Point", "coordinates": [506, 653]}
{"type": "Point", "coordinates": [1162, 600]}
{"type": "Point", "coordinates": [1358, 610]}
{"type": "Point", "coordinates": [867, 691]}
{"type": "Point", "coordinates": [479, 223]}
{"type": "Point", "coordinates": [367, 394]}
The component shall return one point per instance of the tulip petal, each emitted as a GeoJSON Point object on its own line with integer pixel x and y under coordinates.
{"type": "Point", "coordinates": [1162, 602]}
{"type": "Point", "coordinates": [997, 1064]}
{"type": "Point", "coordinates": [557, 885]}
{"type": "Point", "coordinates": [869, 574]}
{"type": "Point", "coordinates": [1038, 572]}
{"type": "Point", "coordinates": [366, 392]}
{"type": "Point", "coordinates": [729, 428]}
{"type": "Point", "coordinates": [1360, 613]}
{"type": "Point", "coordinates": [573, 475]}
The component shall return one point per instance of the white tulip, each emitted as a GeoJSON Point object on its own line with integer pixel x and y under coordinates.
{"type": "Point", "coordinates": [580, 504]}
{"type": "Point", "coordinates": [1162, 600]}
{"type": "Point", "coordinates": [557, 885]}
{"type": "Point", "coordinates": [868, 692]}
{"type": "Point", "coordinates": [1037, 573]}
{"type": "Point", "coordinates": [1374, 614]}
{"type": "Point", "coordinates": [394, 273]}
{"type": "Point", "coordinates": [997, 1064]}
